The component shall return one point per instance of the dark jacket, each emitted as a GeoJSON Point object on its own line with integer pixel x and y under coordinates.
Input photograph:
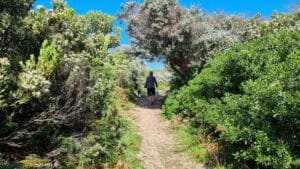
{"type": "Point", "coordinates": [150, 82]}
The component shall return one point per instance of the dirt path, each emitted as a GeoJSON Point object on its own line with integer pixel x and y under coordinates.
{"type": "Point", "coordinates": [158, 149]}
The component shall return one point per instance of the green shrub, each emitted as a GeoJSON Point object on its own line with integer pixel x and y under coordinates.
{"type": "Point", "coordinates": [247, 99]}
{"type": "Point", "coordinates": [34, 80]}
{"type": "Point", "coordinates": [296, 164]}
{"type": "Point", "coordinates": [162, 85]}
{"type": "Point", "coordinates": [69, 145]}
{"type": "Point", "coordinates": [60, 82]}
{"type": "Point", "coordinates": [5, 81]}
{"type": "Point", "coordinates": [12, 166]}
{"type": "Point", "coordinates": [34, 161]}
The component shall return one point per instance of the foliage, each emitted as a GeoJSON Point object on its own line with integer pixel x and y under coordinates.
{"type": "Point", "coordinates": [257, 27]}
{"type": "Point", "coordinates": [185, 37]}
{"type": "Point", "coordinates": [101, 145]}
{"type": "Point", "coordinates": [130, 72]}
{"type": "Point", "coordinates": [296, 163]}
{"type": "Point", "coordinates": [188, 38]}
{"type": "Point", "coordinates": [5, 81]}
{"type": "Point", "coordinates": [123, 99]}
{"type": "Point", "coordinates": [163, 85]}
{"type": "Point", "coordinates": [11, 166]}
{"type": "Point", "coordinates": [33, 81]}
{"type": "Point", "coordinates": [48, 59]}
{"type": "Point", "coordinates": [188, 142]}
{"type": "Point", "coordinates": [12, 41]}
{"type": "Point", "coordinates": [33, 161]}
{"type": "Point", "coordinates": [247, 100]}
{"type": "Point", "coordinates": [58, 74]}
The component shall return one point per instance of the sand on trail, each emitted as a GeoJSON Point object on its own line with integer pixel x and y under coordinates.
{"type": "Point", "coordinates": [159, 149]}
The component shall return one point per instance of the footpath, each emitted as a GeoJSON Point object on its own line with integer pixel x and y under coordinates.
{"type": "Point", "coordinates": [159, 149]}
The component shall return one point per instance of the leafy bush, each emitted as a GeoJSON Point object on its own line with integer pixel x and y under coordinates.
{"type": "Point", "coordinates": [57, 79]}
{"type": "Point", "coordinates": [33, 161]}
{"type": "Point", "coordinates": [33, 81]}
{"type": "Point", "coordinates": [5, 81]}
{"type": "Point", "coordinates": [247, 99]}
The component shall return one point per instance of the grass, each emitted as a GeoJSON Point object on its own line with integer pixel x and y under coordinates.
{"type": "Point", "coordinates": [121, 99]}
{"type": "Point", "coordinates": [33, 161]}
{"type": "Point", "coordinates": [187, 137]}
{"type": "Point", "coordinates": [163, 86]}
{"type": "Point", "coordinates": [219, 167]}
{"type": "Point", "coordinates": [188, 143]}
{"type": "Point", "coordinates": [131, 142]}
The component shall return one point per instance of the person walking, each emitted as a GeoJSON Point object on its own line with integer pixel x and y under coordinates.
{"type": "Point", "coordinates": [150, 85]}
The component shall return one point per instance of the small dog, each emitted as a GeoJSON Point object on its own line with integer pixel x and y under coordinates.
{"type": "Point", "coordinates": [139, 93]}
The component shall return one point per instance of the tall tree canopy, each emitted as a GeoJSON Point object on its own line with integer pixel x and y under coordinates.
{"type": "Point", "coordinates": [185, 37]}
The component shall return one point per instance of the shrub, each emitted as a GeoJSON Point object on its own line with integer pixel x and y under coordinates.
{"type": "Point", "coordinates": [5, 81]}
{"type": "Point", "coordinates": [247, 99]}
{"type": "Point", "coordinates": [57, 78]}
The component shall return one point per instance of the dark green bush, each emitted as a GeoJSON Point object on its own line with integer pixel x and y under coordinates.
{"type": "Point", "coordinates": [248, 100]}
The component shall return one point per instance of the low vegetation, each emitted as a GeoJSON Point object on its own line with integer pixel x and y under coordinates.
{"type": "Point", "coordinates": [131, 142]}
{"type": "Point", "coordinates": [234, 85]}
{"type": "Point", "coordinates": [62, 88]}
{"type": "Point", "coordinates": [188, 142]}
{"type": "Point", "coordinates": [247, 100]}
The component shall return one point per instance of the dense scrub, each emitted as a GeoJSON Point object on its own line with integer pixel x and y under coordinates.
{"type": "Point", "coordinates": [57, 83]}
{"type": "Point", "coordinates": [186, 38]}
{"type": "Point", "coordinates": [246, 100]}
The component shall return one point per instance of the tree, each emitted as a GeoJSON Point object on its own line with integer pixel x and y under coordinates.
{"type": "Point", "coordinates": [186, 38]}
{"type": "Point", "coordinates": [12, 34]}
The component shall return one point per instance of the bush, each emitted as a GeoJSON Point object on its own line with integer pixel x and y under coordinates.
{"type": "Point", "coordinates": [57, 79]}
{"type": "Point", "coordinates": [5, 81]}
{"type": "Point", "coordinates": [247, 99]}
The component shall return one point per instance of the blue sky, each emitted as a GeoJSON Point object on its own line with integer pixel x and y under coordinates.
{"type": "Point", "coordinates": [246, 7]}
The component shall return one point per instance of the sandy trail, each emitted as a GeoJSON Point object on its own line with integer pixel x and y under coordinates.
{"type": "Point", "coordinates": [159, 149]}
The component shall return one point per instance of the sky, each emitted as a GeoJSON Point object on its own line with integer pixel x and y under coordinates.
{"type": "Point", "coordinates": [245, 7]}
